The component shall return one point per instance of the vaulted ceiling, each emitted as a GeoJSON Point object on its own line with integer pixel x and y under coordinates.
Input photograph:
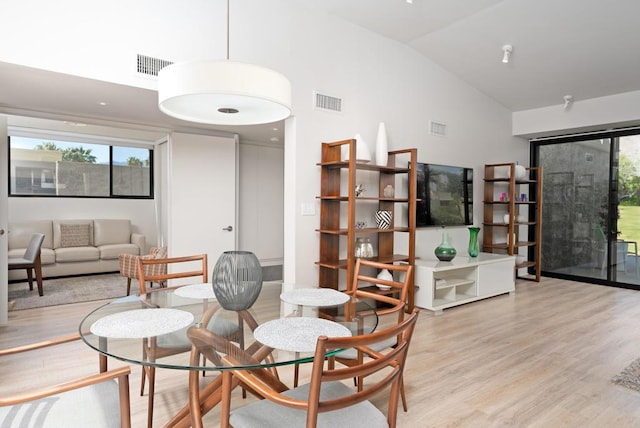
{"type": "Point", "coordinates": [583, 48]}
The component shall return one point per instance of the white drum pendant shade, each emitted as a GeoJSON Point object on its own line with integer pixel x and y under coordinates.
{"type": "Point", "coordinates": [223, 92]}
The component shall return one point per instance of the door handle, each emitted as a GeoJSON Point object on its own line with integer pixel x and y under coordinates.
{"type": "Point", "coordinates": [1, 232]}
{"type": "Point", "coordinates": [228, 228]}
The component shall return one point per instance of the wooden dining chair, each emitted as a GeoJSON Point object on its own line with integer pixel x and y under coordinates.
{"type": "Point", "coordinates": [326, 401]}
{"type": "Point", "coordinates": [177, 268]}
{"type": "Point", "coordinates": [128, 264]}
{"type": "Point", "coordinates": [100, 400]}
{"type": "Point", "coordinates": [391, 305]}
{"type": "Point", "coordinates": [30, 261]}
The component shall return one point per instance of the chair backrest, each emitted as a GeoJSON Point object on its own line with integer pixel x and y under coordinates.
{"type": "Point", "coordinates": [386, 365]}
{"type": "Point", "coordinates": [88, 401]}
{"type": "Point", "coordinates": [392, 361]}
{"type": "Point", "coordinates": [397, 294]}
{"type": "Point", "coordinates": [146, 272]}
{"type": "Point", "coordinates": [33, 249]}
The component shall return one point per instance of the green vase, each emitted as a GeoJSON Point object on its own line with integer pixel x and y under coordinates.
{"type": "Point", "coordinates": [474, 248]}
{"type": "Point", "coordinates": [445, 252]}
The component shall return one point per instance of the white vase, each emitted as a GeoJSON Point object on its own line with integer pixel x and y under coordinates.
{"type": "Point", "coordinates": [363, 155]}
{"type": "Point", "coordinates": [386, 275]}
{"type": "Point", "coordinates": [382, 150]}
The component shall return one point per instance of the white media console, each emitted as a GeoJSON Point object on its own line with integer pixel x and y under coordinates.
{"type": "Point", "coordinates": [441, 285]}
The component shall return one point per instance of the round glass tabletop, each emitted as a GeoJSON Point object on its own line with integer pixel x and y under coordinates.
{"type": "Point", "coordinates": [119, 329]}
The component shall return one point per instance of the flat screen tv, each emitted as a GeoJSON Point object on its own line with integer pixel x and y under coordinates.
{"type": "Point", "coordinates": [445, 195]}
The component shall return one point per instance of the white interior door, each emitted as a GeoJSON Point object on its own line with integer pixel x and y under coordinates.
{"type": "Point", "coordinates": [202, 195]}
{"type": "Point", "coordinates": [4, 215]}
{"type": "Point", "coordinates": [161, 186]}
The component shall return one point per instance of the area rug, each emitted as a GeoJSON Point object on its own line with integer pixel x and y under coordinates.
{"type": "Point", "coordinates": [62, 291]}
{"type": "Point", "coordinates": [630, 376]}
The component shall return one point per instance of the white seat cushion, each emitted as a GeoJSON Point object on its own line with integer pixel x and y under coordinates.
{"type": "Point", "coordinates": [352, 354]}
{"type": "Point", "coordinates": [266, 414]}
{"type": "Point", "coordinates": [77, 254]}
{"type": "Point", "coordinates": [95, 406]}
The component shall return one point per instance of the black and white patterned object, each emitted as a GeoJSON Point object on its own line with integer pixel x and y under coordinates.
{"type": "Point", "coordinates": [383, 219]}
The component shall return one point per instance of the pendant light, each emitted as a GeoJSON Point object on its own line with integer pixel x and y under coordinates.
{"type": "Point", "coordinates": [223, 92]}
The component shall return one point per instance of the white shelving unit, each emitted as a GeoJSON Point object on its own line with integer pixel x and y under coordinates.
{"type": "Point", "coordinates": [441, 285]}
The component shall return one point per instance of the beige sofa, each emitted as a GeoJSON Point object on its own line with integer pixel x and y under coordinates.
{"type": "Point", "coordinates": [76, 247]}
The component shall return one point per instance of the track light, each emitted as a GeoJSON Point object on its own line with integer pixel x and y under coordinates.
{"type": "Point", "coordinates": [507, 49]}
{"type": "Point", "coordinates": [568, 99]}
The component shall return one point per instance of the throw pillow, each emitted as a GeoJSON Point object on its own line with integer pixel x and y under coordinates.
{"type": "Point", "coordinates": [74, 235]}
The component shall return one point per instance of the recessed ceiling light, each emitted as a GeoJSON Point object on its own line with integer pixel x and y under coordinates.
{"type": "Point", "coordinates": [66, 122]}
{"type": "Point", "coordinates": [274, 139]}
{"type": "Point", "coordinates": [103, 103]}
{"type": "Point", "coordinates": [275, 129]}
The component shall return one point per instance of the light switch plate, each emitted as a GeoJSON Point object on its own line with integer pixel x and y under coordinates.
{"type": "Point", "coordinates": [308, 208]}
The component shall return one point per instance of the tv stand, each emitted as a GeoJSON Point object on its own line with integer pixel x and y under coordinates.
{"type": "Point", "coordinates": [441, 285]}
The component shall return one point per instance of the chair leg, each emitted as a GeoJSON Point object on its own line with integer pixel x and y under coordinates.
{"type": "Point", "coordinates": [143, 377]}
{"type": "Point", "coordinates": [144, 370]}
{"type": "Point", "coordinates": [38, 269]}
{"type": "Point", "coordinates": [128, 286]}
{"type": "Point", "coordinates": [152, 378]}
{"type": "Point", "coordinates": [30, 278]}
{"type": "Point", "coordinates": [403, 396]}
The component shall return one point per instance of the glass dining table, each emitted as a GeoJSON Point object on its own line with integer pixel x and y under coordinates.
{"type": "Point", "coordinates": [268, 334]}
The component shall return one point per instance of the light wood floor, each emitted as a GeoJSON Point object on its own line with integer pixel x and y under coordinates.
{"type": "Point", "coordinates": [542, 357]}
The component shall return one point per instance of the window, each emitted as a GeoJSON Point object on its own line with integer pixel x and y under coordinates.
{"type": "Point", "coordinates": [54, 167]}
{"type": "Point", "coordinates": [591, 207]}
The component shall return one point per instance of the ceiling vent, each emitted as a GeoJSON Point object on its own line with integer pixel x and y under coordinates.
{"type": "Point", "coordinates": [150, 66]}
{"type": "Point", "coordinates": [437, 128]}
{"type": "Point", "coordinates": [327, 102]}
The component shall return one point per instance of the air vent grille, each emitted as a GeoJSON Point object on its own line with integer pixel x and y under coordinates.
{"type": "Point", "coordinates": [150, 66]}
{"type": "Point", "coordinates": [327, 102]}
{"type": "Point", "coordinates": [437, 128]}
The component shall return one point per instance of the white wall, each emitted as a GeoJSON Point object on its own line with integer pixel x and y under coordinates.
{"type": "Point", "coordinates": [100, 40]}
{"type": "Point", "coordinates": [592, 114]}
{"type": "Point", "coordinates": [378, 80]}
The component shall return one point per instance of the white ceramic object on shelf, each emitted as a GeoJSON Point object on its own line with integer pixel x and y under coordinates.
{"type": "Point", "coordinates": [382, 150]}
{"type": "Point", "coordinates": [520, 172]}
{"type": "Point", "coordinates": [363, 155]}
{"type": "Point", "coordinates": [384, 274]}
{"type": "Point", "coordinates": [506, 218]}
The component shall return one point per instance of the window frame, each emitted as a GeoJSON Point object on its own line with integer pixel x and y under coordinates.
{"type": "Point", "coordinates": [85, 139]}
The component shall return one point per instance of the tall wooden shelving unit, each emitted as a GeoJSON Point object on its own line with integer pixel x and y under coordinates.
{"type": "Point", "coordinates": [504, 237]}
{"type": "Point", "coordinates": [337, 243]}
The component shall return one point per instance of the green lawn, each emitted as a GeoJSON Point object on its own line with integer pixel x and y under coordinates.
{"type": "Point", "coordinates": [629, 223]}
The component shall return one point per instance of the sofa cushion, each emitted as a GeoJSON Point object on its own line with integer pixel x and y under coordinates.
{"type": "Point", "coordinates": [77, 254]}
{"type": "Point", "coordinates": [57, 232]}
{"type": "Point", "coordinates": [108, 252]}
{"type": "Point", "coordinates": [111, 231]}
{"type": "Point", "coordinates": [74, 235]}
{"type": "Point", "coordinates": [20, 233]}
{"type": "Point", "coordinates": [47, 256]}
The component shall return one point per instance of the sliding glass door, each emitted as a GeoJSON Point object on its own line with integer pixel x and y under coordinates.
{"type": "Point", "coordinates": [591, 207]}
